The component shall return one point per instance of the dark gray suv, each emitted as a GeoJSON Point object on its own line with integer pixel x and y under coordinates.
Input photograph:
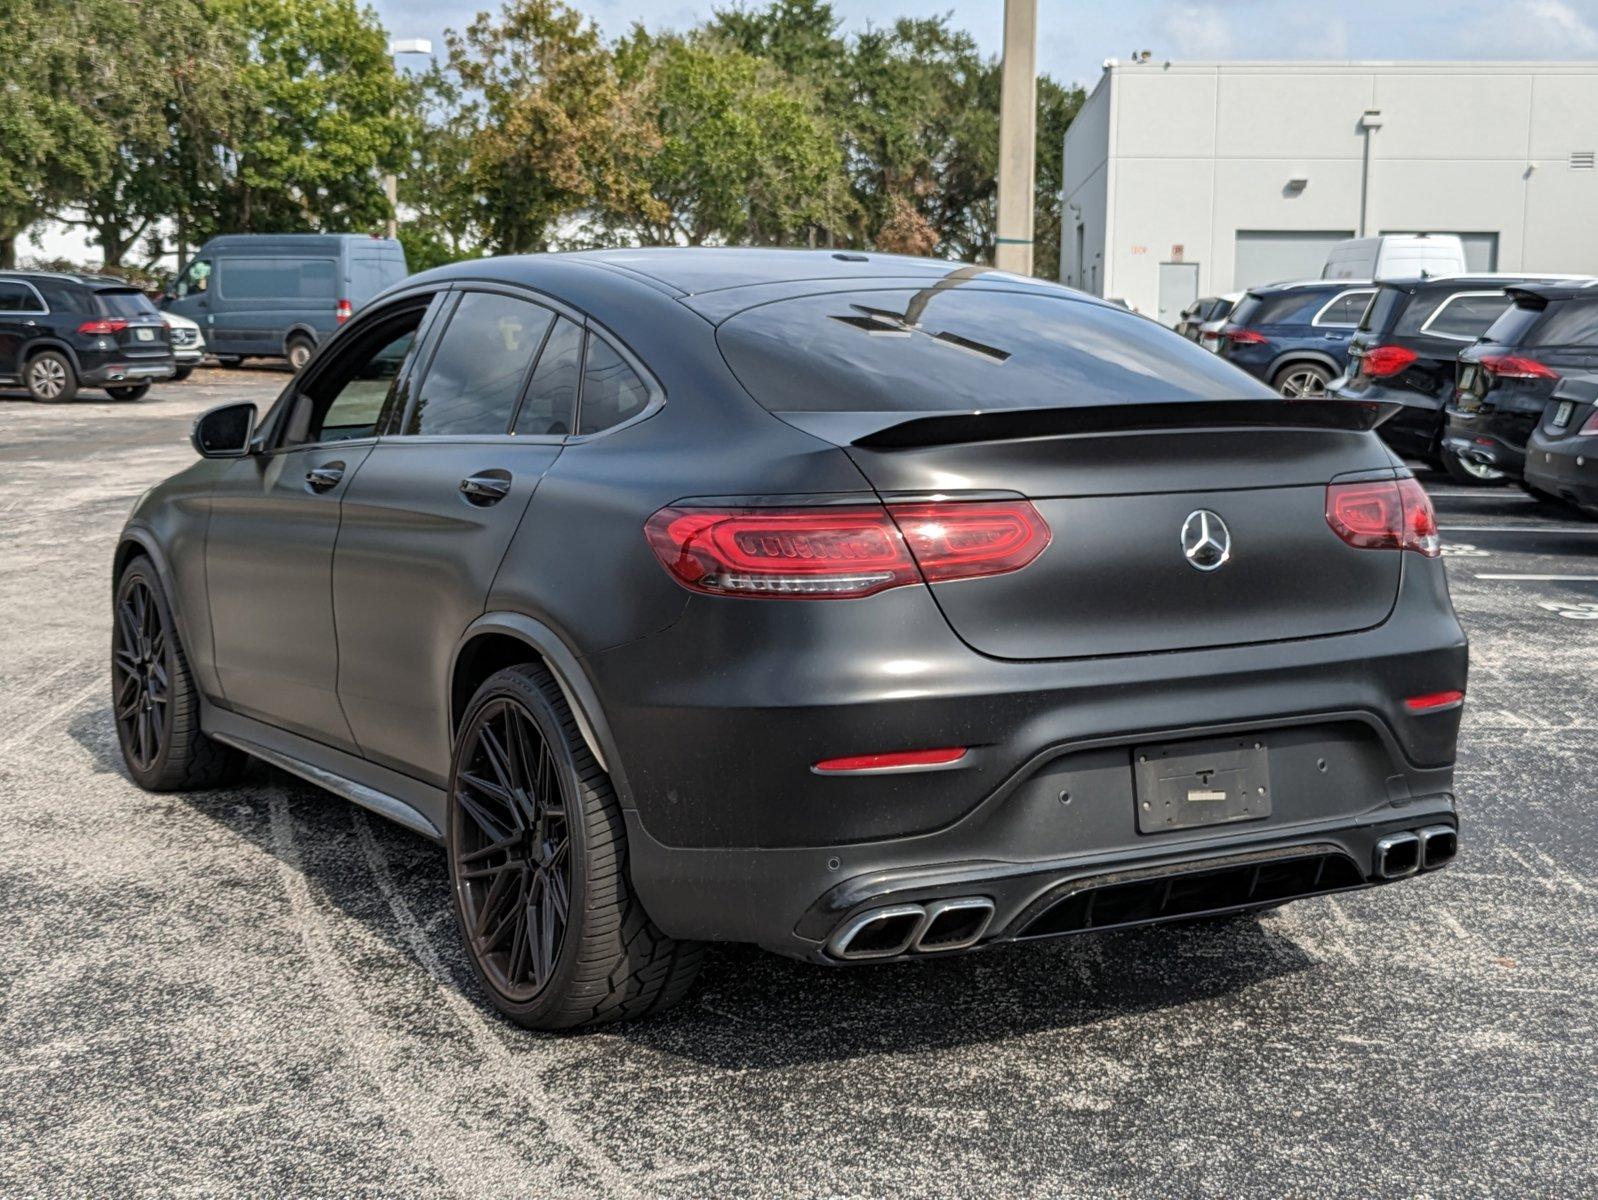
{"type": "Point", "coordinates": [860, 607]}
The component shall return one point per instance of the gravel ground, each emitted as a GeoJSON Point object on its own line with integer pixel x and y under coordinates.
{"type": "Point", "coordinates": [259, 990]}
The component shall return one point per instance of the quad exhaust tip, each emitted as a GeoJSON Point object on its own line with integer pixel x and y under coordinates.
{"type": "Point", "coordinates": [1399, 855]}
{"type": "Point", "coordinates": [932, 928]}
{"type": "Point", "coordinates": [1439, 844]}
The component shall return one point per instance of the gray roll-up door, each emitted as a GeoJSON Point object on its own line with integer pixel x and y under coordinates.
{"type": "Point", "coordinates": [1282, 255]}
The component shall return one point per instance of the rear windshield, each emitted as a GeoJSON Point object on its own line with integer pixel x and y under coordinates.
{"type": "Point", "coordinates": [1379, 315]}
{"type": "Point", "coordinates": [123, 303]}
{"type": "Point", "coordinates": [964, 349]}
{"type": "Point", "coordinates": [1280, 308]}
{"type": "Point", "coordinates": [1573, 323]}
{"type": "Point", "coordinates": [1512, 327]}
{"type": "Point", "coordinates": [1463, 316]}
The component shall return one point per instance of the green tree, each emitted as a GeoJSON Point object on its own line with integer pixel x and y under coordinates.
{"type": "Point", "coordinates": [322, 118]}
{"type": "Point", "coordinates": [546, 113]}
{"type": "Point", "coordinates": [738, 151]}
{"type": "Point", "coordinates": [52, 55]}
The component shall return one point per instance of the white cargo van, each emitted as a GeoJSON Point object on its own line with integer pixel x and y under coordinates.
{"type": "Point", "coordinates": [1396, 256]}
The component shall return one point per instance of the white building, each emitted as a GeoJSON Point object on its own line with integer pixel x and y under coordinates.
{"type": "Point", "coordinates": [1189, 179]}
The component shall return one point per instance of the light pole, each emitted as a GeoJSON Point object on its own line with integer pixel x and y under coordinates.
{"type": "Point", "coordinates": [390, 182]}
{"type": "Point", "coordinates": [1018, 114]}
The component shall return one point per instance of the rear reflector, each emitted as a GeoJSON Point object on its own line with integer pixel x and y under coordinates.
{"type": "Point", "coordinates": [845, 552]}
{"type": "Point", "coordinates": [1514, 366]}
{"type": "Point", "coordinates": [1382, 361]}
{"type": "Point", "coordinates": [1387, 514]}
{"type": "Point", "coordinates": [896, 760]}
{"type": "Point", "coordinates": [1434, 700]}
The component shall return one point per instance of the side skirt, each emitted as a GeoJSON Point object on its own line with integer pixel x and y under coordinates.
{"type": "Point", "coordinates": [406, 801]}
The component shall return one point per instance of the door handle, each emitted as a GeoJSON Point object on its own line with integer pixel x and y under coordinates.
{"type": "Point", "coordinates": [486, 487]}
{"type": "Point", "coordinates": [324, 477]}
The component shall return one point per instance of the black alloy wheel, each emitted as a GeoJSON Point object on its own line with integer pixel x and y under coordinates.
{"type": "Point", "coordinates": [538, 867]}
{"type": "Point", "coordinates": [512, 850]}
{"type": "Point", "coordinates": [141, 675]}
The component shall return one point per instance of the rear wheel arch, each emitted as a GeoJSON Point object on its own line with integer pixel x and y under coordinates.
{"type": "Point", "coordinates": [498, 640]}
{"type": "Point", "coordinates": [35, 348]}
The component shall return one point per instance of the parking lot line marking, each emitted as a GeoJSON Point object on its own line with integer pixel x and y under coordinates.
{"type": "Point", "coordinates": [1545, 578]}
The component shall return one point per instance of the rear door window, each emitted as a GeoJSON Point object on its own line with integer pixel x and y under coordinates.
{"type": "Point", "coordinates": [550, 406]}
{"type": "Point", "coordinates": [1464, 316]}
{"type": "Point", "coordinates": [18, 297]}
{"type": "Point", "coordinates": [1344, 311]}
{"type": "Point", "coordinates": [1284, 308]}
{"type": "Point", "coordinates": [472, 385]}
{"type": "Point", "coordinates": [963, 348]}
{"type": "Point", "coordinates": [1513, 326]}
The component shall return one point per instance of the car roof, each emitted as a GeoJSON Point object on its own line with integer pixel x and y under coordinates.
{"type": "Point", "coordinates": [100, 282]}
{"type": "Point", "coordinates": [1309, 285]}
{"type": "Point", "coordinates": [1544, 292]}
{"type": "Point", "coordinates": [1493, 279]}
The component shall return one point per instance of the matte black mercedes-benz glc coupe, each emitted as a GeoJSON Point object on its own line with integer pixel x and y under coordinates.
{"type": "Point", "coordinates": [862, 607]}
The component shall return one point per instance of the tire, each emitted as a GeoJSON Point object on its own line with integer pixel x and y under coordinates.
{"type": "Point", "coordinates": [135, 391]}
{"type": "Point", "coordinates": [50, 378]}
{"type": "Point", "coordinates": [154, 703]}
{"type": "Point", "coordinates": [231, 361]}
{"type": "Point", "coordinates": [299, 351]}
{"type": "Point", "coordinates": [606, 961]}
{"type": "Point", "coordinates": [1303, 380]}
{"type": "Point", "coordinates": [182, 373]}
{"type": "Point", "coordinates": [1472, 474]}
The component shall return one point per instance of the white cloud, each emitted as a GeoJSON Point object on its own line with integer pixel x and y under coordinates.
{"type": "Point", "coordinates": [1197, 31]}
{"type": "Point", "coordinates": [1531, 29]}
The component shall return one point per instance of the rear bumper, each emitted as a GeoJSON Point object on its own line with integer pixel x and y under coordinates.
{"type": "Point", "coordinates": [1567, 468]}
{"type": "Point", "coordinates": [115, 371]}
{"type": "Point", "coordinates": [732, 837]}
{"type": "Point", "coordinates": [1480, 445]}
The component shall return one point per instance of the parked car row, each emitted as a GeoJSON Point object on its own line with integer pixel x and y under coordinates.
{"type": "Point", "coordinates": [247, 296]}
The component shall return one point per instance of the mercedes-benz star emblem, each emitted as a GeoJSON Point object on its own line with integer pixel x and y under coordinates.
{"type": "Point", "coordinates": [1206, 541]}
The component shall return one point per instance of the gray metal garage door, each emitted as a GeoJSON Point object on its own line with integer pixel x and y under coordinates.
{"type": "Point", "coordinates": [1282, 255]}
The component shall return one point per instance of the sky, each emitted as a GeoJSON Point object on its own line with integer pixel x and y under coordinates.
{"type": "Point", "coordinates": [1076, 36]}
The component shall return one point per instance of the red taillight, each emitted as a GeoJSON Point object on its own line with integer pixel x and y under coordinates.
{"type": "Point", "coordinates": [1432, 701]}
{"type": "Point", "coordinates": [1382, 361]}
{"type": "Point", "coordinates": [343, 311]}
{"type": "Point", "coordinates": [841, 553]}
{"type": "Point", "coordinates": [1513, 366]}
{"type": "Point", "coordinates": [896, 760]}
{"type": "Point", "coordinates": [104, 326]}
{"type": "Point", "coordinates": [1388, 514]}
{"type": "Point", "coordinates": [1209, 335]}
{"type": "Point", "coordinates": [1244, 337]}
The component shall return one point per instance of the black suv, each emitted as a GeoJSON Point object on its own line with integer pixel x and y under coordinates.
{"type": "Point", "coordinates": [856, 606]}
{"type": "Point", "coordinates": [59, 333]}
{"type": "Point", "coordinates": [1405, 353]}
{"type": "Point", "coordinates": [1505, 380]}
{"type": "Point", "coordinates": [1295, 336]}
{"type": "Point", "coordinates": [1562, 455]}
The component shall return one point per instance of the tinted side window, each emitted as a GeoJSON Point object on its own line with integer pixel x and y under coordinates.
{"type": "Point", "coordinates": [278, 278]}
{"type": "Point", "coordinates": [348, 398]}
{"type": "Point", "coordinates": [966, 348]}
{"type": "Point", "coordinates": [1574, 324]}
{"type": "Point", "coordinates": [1345, 310]}
{"type": "Point", "coordinates": [612, 391]}
{"type": "Point", "coordinates": [479, 367]}
{"type": "Point", "coordinates": [1379, 313]}
{"type": "Point", "coordinates": [1286, 308]}
{"type": "Point", "coordinates": [1513, 325]}
{"type": "Point", "coordinates": [1464, 317]}
{"type": "Point", "coordinates": [61, 297]}
{"type": "Point", "coordinates": [551, 402]}
{"type": "Point", "coordinates": [17, 297]}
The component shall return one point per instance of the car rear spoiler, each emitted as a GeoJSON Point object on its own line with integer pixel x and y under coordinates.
{"type": "Point", "coordinates": [899, 430]}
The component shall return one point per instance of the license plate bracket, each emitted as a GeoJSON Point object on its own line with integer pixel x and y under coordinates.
{"type": "Point", "coordinates": [1183, 785]}
{"type": "Point", "coordinates": [1563, 413]}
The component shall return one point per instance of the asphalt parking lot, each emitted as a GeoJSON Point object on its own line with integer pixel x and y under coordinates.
{"type": "Point", "coordinates": [259, 990]}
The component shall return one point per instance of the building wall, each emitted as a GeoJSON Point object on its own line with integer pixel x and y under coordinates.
{"type": "Point", "coordinates": [1197, 152]}
{"type": "Point", "coordinates": [1084, 207]}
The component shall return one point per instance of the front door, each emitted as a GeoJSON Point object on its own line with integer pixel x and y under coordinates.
{"type": "Point", "coordinates": [427, 522]}
{"type": "Point", "coordinates": [274, 522]}
{"type": "Point", "coordinates": [1178, 289]}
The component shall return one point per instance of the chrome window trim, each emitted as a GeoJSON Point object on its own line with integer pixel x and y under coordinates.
{"type": "Point", "coordinates": [1368, 292]}
{"type": "Point", "coordinates": [1426, 325]}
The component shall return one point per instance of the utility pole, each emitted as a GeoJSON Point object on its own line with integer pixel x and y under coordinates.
{"type": "Point", "coordinates": [1018, 114]}
{"type": "Point", "coordinates": [390, 183]}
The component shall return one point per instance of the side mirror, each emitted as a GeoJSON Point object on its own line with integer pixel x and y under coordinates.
{"type": "Point", "coordinates": [225, 432]}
